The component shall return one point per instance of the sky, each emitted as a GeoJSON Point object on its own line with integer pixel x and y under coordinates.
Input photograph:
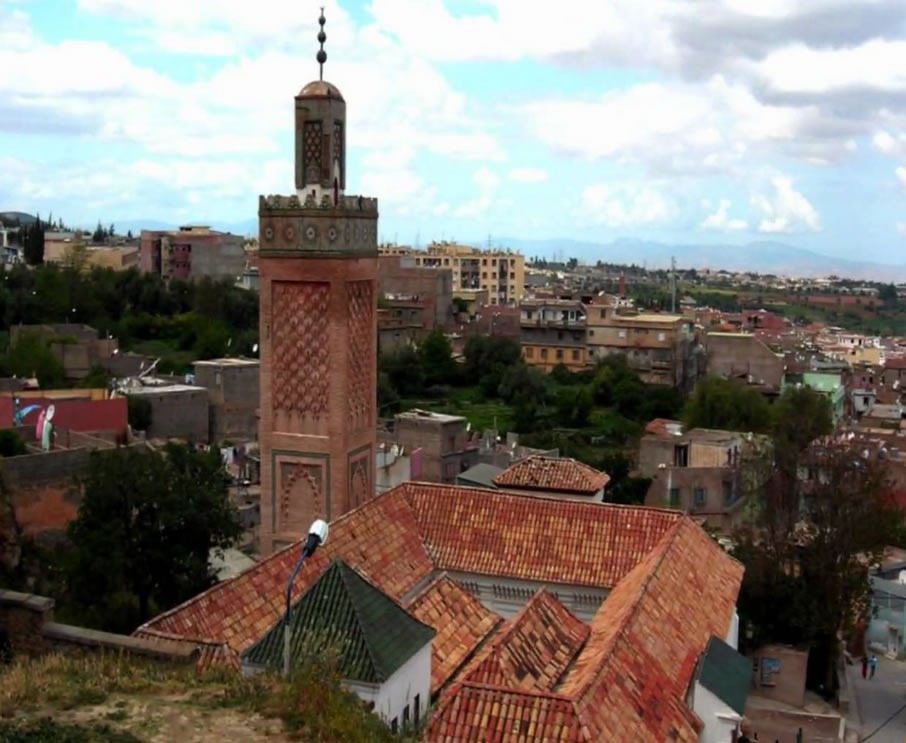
{"type": "Point", "coordinates": [682, 121]}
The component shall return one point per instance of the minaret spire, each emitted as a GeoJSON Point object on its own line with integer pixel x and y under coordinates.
{"type": "Point", "coordinates": [322, 37]}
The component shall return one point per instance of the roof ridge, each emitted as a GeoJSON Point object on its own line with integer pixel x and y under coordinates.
{"type": "Point", "coordinates": [366, 639]}
{"type": "Point", "coordinates": [668, 539]}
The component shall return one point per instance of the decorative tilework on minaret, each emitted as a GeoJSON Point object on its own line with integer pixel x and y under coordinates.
{"type": "Point", "coordinates": [318, 268]}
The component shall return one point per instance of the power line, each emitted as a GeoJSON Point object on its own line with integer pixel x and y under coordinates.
{"type": "Point", "coordinates": [888, 720]}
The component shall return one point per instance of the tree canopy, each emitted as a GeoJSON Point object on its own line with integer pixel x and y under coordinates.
{"type": "Point", "coordinates": [727, 404]}
{"type": "Point", "coordinates": [144, 530]}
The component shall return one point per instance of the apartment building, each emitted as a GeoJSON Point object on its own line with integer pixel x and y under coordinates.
{"type": "Point", "coordinates": [192, 252]}
{"type": "Point", "coordinates": [551, 332]}
{"type": "Point", "coordinates": [501, 273]}
{"type": "Point", "coordinates": [660, 347]}
{"type": "Point", "coordinates": [444, 440]}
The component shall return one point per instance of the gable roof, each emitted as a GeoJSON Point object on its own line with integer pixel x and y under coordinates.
{"type": "Point", "coordinates": [725, 673]}
{"type": "Point", "coordinates": [374, 634]}
{"type": "Point", "coordinates": [400, 537]}
{"type": "Point", "coordinates": [461, 622]}
{"type": "Point", "coordinates": [532, 650]}
{"type": "Point", "coordinates": [629, 681]}
{"type": "Point", "coordinates": [553, 475]}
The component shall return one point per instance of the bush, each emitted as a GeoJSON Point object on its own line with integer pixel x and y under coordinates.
{"type": "Point", "coordinates": [11, 443]}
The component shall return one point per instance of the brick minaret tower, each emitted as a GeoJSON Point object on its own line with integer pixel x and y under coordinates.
{"type": "Point", "coordinates": [318, 269]}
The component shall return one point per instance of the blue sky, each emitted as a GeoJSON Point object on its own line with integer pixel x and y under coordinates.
{"type": "Point", "coordinates": [687, 121]}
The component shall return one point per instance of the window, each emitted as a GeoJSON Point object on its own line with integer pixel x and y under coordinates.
{"type": "Point", "coordinates": [591, 332]}
{"type": "Point", "coordinates": [701, 496]}
{"type": "Point", "coordinates": [416, 706]}
{"type": "Point", "coordinates": [728, 493]}
{"type": "Point", "coordinates": [216, 377]}
{"type": "Point", "coordinates": [621, 333]}
{"type": "Point", "coordinates": [451, 442]}
{"type": "Point", "coordinates": [674, 494]}
{"type": "Point", "coordinates": [395, 726]}
{"type": "Point", "coordinates": [484, 261]}
{"type": "Point", "coordinates": [543, 353]}
{"type": "Point", "coordinates": [681, 455]}
{"type": "Point", "coordinates": [512, 276]}
{"type": "Point", "coordinates": [575, 354]}
{"type": "Point", "coordinates": [446, 261]}
{"type": "Point", "coordinates": [494, 262]}
{"type": "Point", "coordinates": [662, 336]}
{"type": "Point", "coordinates": [559, 354]}
{"type": "Point", "coordinates": [484, 274]}
{"type": "Point", "coordinates": [529, 353]}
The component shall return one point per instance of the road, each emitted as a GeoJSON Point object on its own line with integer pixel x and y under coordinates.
{"type": "Point", "coordinates": [879, 698]}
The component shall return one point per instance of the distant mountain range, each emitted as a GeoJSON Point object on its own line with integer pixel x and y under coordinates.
{"type": "Point", "coordinates": [762, 257]}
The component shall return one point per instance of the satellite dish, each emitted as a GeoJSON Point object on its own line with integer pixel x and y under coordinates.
{"type": "Point", "coordinates": [50, 411]}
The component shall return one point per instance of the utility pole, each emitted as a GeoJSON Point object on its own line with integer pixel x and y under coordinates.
{"type": "Point", "coordinates": [673, 284]}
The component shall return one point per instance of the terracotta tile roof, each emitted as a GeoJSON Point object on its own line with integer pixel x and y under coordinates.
{"type": "Point", "coordinates": [461, 622]}
{"type": "Point", "coordinates": [662, 426]}
{"type": "Point", "coordinates": [493, 533]}
{"type": "Point", "coordinates": [629, 681]}
{"type": "Point", "coordinates": [553, 475]}
{"type": "Point", "coordinates": [532, 650]}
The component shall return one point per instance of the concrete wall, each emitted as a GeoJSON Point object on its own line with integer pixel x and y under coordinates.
{"type": "Point", "coordinates": [180, 414]}
{"type": "Point", "coordinates": [787, 685]}
{"type": "Point", "coordinates": [233, 393]}
{"type": "Point", "coordinates": [392, 697]}
{"type": "Point", "coordinates": [686, 480]}
{"type": "Point", "coordinates": [732, 355]}
{"type": "Point", "coordinates": [719, 719]}
{"type": "Point", "coordinates": [28, 621]}
{"type": "Point", "coordinates": [443, 445]}
{"type": "Point", "coordinates": [433, 286]}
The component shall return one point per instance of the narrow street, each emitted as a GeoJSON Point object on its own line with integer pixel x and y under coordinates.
{"type": "Point", "coordinates": [879, 698]}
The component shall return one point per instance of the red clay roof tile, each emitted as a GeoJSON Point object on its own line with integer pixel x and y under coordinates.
{"type": "Point", "coordinates": [461, 622]}
{"type": "Point", "coordinates": [553, 475]}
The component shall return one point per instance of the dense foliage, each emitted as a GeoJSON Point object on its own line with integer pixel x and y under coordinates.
{"type": "Point", "coordinates": [145, 527]}
{"type": "Point", "coordinates": [729, 405]}
{"type": "Point", "coordinates": [201, 319]}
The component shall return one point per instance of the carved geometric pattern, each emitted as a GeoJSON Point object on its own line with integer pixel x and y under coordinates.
{"type": "Point", "coordinates": [358, 482]}
{"type": "Point", "coordinates": [299, 360]}
{"type": "Point", "coordinates": [338, 144]}
{"type": "Point", "coordinates": [359, 354]}
{"type": "Point", "coordinates": [300, 495]}
{"type": "Point", "coordinates": [311, 146]}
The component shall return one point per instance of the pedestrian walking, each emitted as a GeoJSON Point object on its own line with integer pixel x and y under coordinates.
{"type": "Point", "coordinates": [873, 664]}
{"type": "Point", "coordinates": [864, 666]}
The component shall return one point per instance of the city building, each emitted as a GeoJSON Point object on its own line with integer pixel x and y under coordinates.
{"type": "Point", "coordinates": [552, 332]}
{"type": "Point", "coordinates": [192, 252]}
{"type": "Point", "coordinates": [317, 264]}
{"type": "Point", "coordinates": [399, 276]}
{"type": "Point", "coordinates": [660, 347]}
{"type": "Point", "coordinates": [744, 357]}
{"type": "Point", "coordinates": [697, 471]}
{"type": "Point", "coordinates": [539, 606]}
{"type": "Point", "coordinates": [11, 224]}
{"type": "Point", "coordinates": [501, 273]}
{"type": "Point", "coordinates": [233, 398]}
{"type": "Point", "coordinates": [178, 411]}
{"type": "Point", "coordinates": [446, 447]}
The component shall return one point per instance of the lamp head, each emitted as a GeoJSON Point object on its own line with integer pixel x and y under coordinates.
{"type": "Point", "coordinates": [317, 535]}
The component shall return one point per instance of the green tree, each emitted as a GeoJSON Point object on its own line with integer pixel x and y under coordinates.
{"type": "Point", "coordinates": [404, 371]}
{"type": "Point", "coordinates": [99, 234]}
{"type": "Point", "coordinates": [622, 488]}
{"type": "Point", "coordinates": [814, 530]}
{"type": "Point", "coordinates": [888, 294]}
{"type": "Point", "coordinates": [33, 243]}
{"type": "Point", "coordinates": [436, 357]}
{"type": "Point", "coordinates": [30, 356]}
{"type": "Point", "coordinates": [460, 304]}
{"type": "Point", "coordinates": [146, 525]}
{"type": "Point", "coordinates": [799, 417]}
{"type": "Point", "coordinates": [574, 405]}
{"type": "Point", "coordinates": [727, 404]}
{"type": "Point", "coordinates": [487, 359]}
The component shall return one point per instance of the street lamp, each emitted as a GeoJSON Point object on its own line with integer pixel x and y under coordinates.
{"type": "Point", "coordinates": [317, 535]}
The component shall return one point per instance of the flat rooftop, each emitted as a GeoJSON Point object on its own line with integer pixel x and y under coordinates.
{"type": "Point", "coordinates": [229, 362]}
{"type": "Point", "coordinates": [428, 415]}
{"type": "Point", "coordinates": [164, 389]}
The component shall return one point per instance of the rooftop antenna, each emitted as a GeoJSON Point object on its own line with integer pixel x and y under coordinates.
{"type": "Point", "coordinates": [322, 37]}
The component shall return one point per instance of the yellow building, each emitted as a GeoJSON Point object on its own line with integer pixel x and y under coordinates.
{"type": "Point", "coordinates": [501, 273]}
{"type": "Point", "coordinates": [551, 332]}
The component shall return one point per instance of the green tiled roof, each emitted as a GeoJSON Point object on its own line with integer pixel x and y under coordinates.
{"type": "Point", "coordinates": [726, 674]}
{"type": "Point", "coordinates": [341, 609]}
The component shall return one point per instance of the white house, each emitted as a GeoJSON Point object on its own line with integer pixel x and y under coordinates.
{"type": "Point", "coordinates": [719, 689]}
{"type": "Point", "coordinates": [383, 653]}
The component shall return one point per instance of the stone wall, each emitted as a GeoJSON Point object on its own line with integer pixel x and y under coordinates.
{"type": "Point", "coordinates": [28, 622]}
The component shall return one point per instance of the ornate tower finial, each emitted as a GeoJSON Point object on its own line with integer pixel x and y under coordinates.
{"type": "Point", "coordinates": [322, 37]}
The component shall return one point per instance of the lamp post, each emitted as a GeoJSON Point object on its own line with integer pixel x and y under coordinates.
{"type": "Point", "coordinates": [317, 535]}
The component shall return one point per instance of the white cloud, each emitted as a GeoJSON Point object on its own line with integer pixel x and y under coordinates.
{"type": "Point", "coordinates": [785, 210]}
{"type": "Point", "coordinates": [624, 206]}
{"type": "Point", "coordinates": [486, 183]}
{"type": "Point", "coordinates": [901, 228]}
{"type": "Point", "coordinates": [901, 175]}
{"type": "Point", "coordinates": [722, 221]}
{"type": "Point", "coordinates": [528, 175]}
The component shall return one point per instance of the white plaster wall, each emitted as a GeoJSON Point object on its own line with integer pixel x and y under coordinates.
{"type": "Point", "coordinates": [719, 720]}
{"type": "Point", "coordinates": [391, 697]}
{"type": "Point", "coordinates": [732, 638]}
